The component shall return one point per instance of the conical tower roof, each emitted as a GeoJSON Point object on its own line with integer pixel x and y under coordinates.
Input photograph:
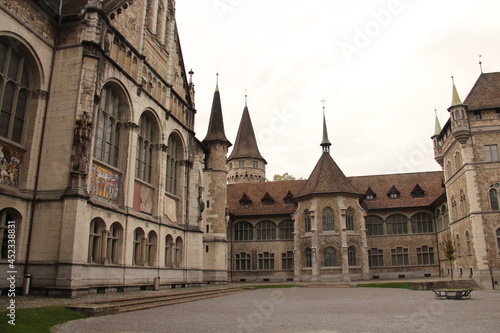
{"type": "Point", "coordinates": [216, 123]}
{"type": "Point", "coordinates": [437, 125]}
{"type": "Point", "coordinates": [455, 98]}
{"type": "Point", "coordinates": [245, 145]}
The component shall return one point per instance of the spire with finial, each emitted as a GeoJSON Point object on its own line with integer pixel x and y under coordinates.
{"type": "Point", "coordinates": [325, 143]}
{"type": "Point", "coordinates": [480, 64]}
{"type": "Point", "coordinates": [455, 99]}
{"type": "Point", "coordinates": [246, 97]}
{"type": "Point", "coordinates": [191, 76]}
{"type": "Point", "coordinates": [437, 125]}
{"type": "Point", "coordinates": [216, 122]}
{"type": "Point", "coordinates": [217, 82]}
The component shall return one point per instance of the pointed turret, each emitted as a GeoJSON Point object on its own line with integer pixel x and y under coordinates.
{"type": "Point", "coordinates": [325, 143]}
{"type": "Point", "coordinates": [459, 124]}
{"type": "Point", "coordinates": [455, 98]}
{"type": "Point", "coordinates": [246, 164]}
{"type": "Point", "coordinates": [437, 125]}
{"type": "Point", "coordinates": [216, 123]}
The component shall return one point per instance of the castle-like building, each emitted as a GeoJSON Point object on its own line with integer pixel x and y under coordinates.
{"type": "Point", "coordinates": [104, 185]}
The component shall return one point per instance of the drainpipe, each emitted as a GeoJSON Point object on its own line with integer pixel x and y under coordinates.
{"type": "Point", "coordinates": [27, 276]}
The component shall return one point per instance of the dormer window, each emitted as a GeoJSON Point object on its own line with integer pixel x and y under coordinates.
{"type": "Point", "coordinates": [267, 199]}
{"type": "Point", "coordinates": [370, 195]}
{"type": "Point", "coordinates": [417, 192]}
{"type": "Point", "coordinates": [288, 198]}
{"type": "Point", "coordinates": [394, 193]}
{"type": "Point", "coordinates": [245, 200]}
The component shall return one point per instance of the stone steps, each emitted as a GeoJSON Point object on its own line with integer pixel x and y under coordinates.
{"type": "Point", "coordinates": [108, 307]}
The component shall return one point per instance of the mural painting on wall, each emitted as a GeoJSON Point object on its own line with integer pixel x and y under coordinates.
{"type": "Point", "coordinates": [105, 184]}
{"type": "Point", "coordinates": [10, 164]}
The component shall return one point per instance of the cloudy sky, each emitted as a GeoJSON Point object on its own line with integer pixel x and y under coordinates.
{"type": "Point", "coordinates": [382, 67]}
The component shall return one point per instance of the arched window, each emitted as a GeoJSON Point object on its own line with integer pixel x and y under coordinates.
{"type": "Point", "coordinates": [114, 243]}
{"type": "Point", "coordinates": [494, 194]}
{"type": "Point", "coordinates": [151, 248]}
{"type": "Point", "coordinates": [174, 159]}
{"type": "Point", "coordinates": [286, 229]}
{"type": "Point", "coordinates": [178, 252]}
{"type": "Point", "coordinates": [137, 247]}
{"type": "Point", "coordinates": [375, 226]}
{"type": "Point", "coordinates": [454, 211]}
{"type": "Point", "coordinates": [330, 257]}
{"type": "Point", "coordinates": [463, 203]}
{"type": "Point", "coordinates": [109, 126]}
{"type": "Point", "coordinates": [458, 246]}
{"type": "Point", "coordinates": [266, 230]}
{"type": "Point", "coordinates": [349, 219]}
{"type": "Point", "coordinates": [146, 147]}
{"type": "Point", "coordinates": [8, 221]}
{"type": "Point", "coordinates": [328, 219]}
{"type": "Point", "coordinates": [351, 256]}
{"type": "Point", "coordinates": [308, 257]}
{"type": "Point", "coordinates": [97, 227]}
{"type": "Point", "coordinates": [422, 223]}
{"type": "Point", "coordinates": [307, 221]}
{"type": "Point", "coordinates": [15, 93]}
{"type": "Point", "coordinates": [169, 250]}
{"type": "Point", "coordinates": [397, 224]}
{"type": "Point", "coordinates": [243, 231]}
{"type": "Point", "coordinates": [439, 220]}
{"type": "Point", "coordinates": [468, 242]}
{"type": "Point", "coordinates": [446, 217]}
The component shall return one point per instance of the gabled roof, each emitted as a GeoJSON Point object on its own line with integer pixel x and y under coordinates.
{"type": "Point", "coordinates": [432, 182]}
{"type": "Point", "coordinates": [327, 178]}
{"type": "Point", "coordinates": [245, 145]}
{"type": "Point", "coordinates": [486, 92]}
{"type": "Point", "coordinates": [277, 190]}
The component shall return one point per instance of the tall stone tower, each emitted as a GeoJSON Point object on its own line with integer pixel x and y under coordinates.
{"type": "Point", "coordinates": [215, 196]}
{"type": "Point", "coordinates": [467, 149]}
{"type": "Point", "coordinates": [246, 164]}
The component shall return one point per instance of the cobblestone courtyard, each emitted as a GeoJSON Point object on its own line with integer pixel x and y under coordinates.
{"type": "Point", "coordinates": [310, 310]}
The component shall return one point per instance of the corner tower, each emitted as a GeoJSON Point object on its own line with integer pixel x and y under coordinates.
{"type": "Point", "coordinates": [246, 164]}
{"type": "Point", "coordinates": [215, 196]}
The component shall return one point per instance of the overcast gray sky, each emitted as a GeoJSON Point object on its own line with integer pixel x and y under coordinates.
{"type": "Point", "coordinates": [382, 67]}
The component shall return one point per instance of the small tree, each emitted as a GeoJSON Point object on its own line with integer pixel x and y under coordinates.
{"type": "Point", "coordinates": [285, 176]}
{"type": "Point", "coordinates": [449, 252]}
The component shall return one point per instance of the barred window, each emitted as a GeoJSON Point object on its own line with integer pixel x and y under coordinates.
{"type": "Point", "coordinates": [397, 224]}
{"type": "Point", "coordinates": [287, 260]}
{"type": "Point", "coordinates": [330, 257]}
{"type": "Point", "coordinates": [109, 127]}
{"type": "Point", "coordinates": [425, 255]}
{"type": "Point", "coordinates": [307, 221]}
{"type": "Point", "coordinates": [114, 243]}
{"type": "Point", "coordinates": [174, 158]}
{"type": "Point", "coordinates": [375, 257]}
{"type": "Point", "coordinates": [399, 256]}
{"type": "Point", "coordinates": [286, 229]}
{"type": "Point", "coordinates": [328, 220]}
{"type": "Point", "coordinates": [15, 93]}
{"type": "Point", "coordinates": [97, 227]}
{"type": "Point", "coordinates": [308, 257]}
{"type": "Point", "coordinates": [243, 231]}
{"type": "Point", "coordinates": [266, 261]}
{"type": "Point", "coordinates": [422, 223]}
{"type": "Point", "coordinates": [266, 230]}
{"type": "Point", "coordinates": [351, 256]}
{"type": "Point", "coordinates": [146, 148]}
{"type": "Point", "coordinates": [349, 219]}
{"type": "Point", "coordinates": [375, 226]}
{"type": "Point", "coordinates": [242, 261]}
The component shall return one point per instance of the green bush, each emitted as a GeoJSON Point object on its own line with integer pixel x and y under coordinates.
{"type": "Point", "coordinates": [399, 285]}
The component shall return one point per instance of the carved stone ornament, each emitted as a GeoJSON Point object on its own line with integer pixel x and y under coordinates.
{"type": "Point", "coordinates": [81, 143]}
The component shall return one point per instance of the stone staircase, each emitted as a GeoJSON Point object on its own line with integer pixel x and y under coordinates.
{"type": "Point", "coordinates": [108, 307]}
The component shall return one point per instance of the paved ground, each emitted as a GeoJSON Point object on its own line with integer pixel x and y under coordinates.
{"type": "Point", "coordinates": [310, 310]}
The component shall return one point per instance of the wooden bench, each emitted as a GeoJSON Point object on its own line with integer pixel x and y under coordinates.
{"type": "Point", "coordinates": [453, 293]}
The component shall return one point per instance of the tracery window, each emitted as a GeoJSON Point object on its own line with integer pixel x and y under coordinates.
{"type": "Point", "coordinates": [328, 220]}
{"type": "Point", "coordinates": [330, 257]}
{"type": "Point", "coordinates": [146, 148]}
{"type": "Point", "coordinates": [266, 230]}
{"type": "Point", "coordinates": [174, 159]}
{"type": "Point", "coordinates": [375, 226]}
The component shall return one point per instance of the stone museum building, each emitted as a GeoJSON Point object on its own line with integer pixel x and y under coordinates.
{"type": "Point", "coordinates": [104, 185]}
